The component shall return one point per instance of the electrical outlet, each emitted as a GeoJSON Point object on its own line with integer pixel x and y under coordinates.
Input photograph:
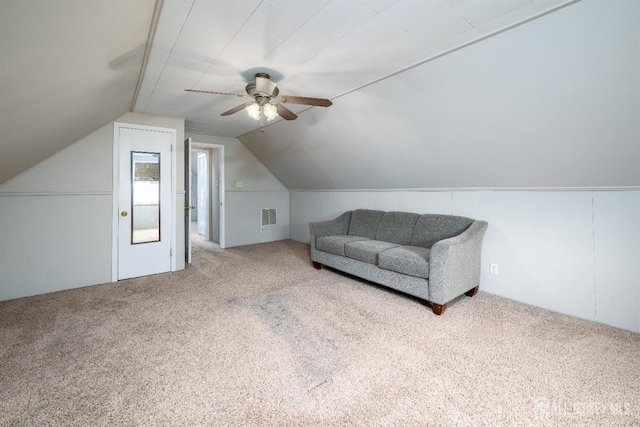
{"type": "Point", "coordinates": [262, 229]}
{"type": "Point", "coordinates": [239, 184]}
{"type": "Point", "coordinates": [494, 270]}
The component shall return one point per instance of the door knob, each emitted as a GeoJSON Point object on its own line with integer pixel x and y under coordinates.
{"type": "Point", "coordinates": [124, 213]}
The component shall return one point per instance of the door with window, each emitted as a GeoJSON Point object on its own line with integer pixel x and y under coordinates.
{"type": "Point", "coordinates": [144, 202]}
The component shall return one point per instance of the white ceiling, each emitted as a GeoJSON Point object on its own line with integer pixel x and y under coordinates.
{"type": "Point", "coordinates": [553, 103]}
{"type": "Point", "coordinates": [317, 48]}
{"type": "Point", "coordinates": [67, 67]}
{"type": "Point", "coordinates": [550, 103]}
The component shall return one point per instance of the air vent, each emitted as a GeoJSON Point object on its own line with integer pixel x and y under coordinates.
{"type": "Point", "coordinates": [268, 216]}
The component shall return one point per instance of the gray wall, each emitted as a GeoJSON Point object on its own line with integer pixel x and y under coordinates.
{"type": "Point", "coordinates": [55, 218]}
{"type": "Point", "coordinates": [529, 130]}
{"type": "Point", "coordinates": [575, 252]}
{"type": "Point", "coordinates": [260, 189]}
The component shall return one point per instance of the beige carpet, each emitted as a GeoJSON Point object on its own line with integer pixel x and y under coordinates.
{"type": "Point", "coordinates": [254, 336]}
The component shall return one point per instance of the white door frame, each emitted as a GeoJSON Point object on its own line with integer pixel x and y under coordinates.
{"type": "Point", "coordinates": [116, 192]}
{"type": "Point", "coordinates": [221, 186]}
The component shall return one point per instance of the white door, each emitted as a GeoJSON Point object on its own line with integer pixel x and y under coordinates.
{"type": "Point", "coordinates": [187, 194]}
{"type": "Point", "coordinates": [144, 202]}
{"type": "Point", "coordinates": [203, 194]}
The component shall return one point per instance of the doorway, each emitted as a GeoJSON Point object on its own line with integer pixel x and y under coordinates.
{"type": "Point", "coordinates": [203, 217]}
{"type": "Point", "coordinates": [206, 166]}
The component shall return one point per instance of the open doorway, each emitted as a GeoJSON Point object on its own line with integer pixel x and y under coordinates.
{"type": "Point", "coordinates": [206, 178]}
{"type": "Point", "coordinates": [201, 221]}
{"type": "Point", "coordinates": [205, 185]}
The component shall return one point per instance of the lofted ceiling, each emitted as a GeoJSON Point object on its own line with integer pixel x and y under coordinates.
{"type": "Point", "coordinates": [67, 67]}
{"type": "Point", "coordinates": [553, 103]}
{"type": "Point", "coordinates": [427, 93]}
{"type": "Point", "coordinates": [316, 48]}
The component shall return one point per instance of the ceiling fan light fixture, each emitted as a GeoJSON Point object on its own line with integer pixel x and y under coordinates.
{"type": "Point", "coordinates": [266, 100]}
{"type": "Point", "coordinates": [253, 110]}
{"type": "Point", "coordinates": [270, 111]}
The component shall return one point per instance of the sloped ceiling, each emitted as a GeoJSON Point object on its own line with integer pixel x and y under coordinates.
{"type": "Point", "coordinates": [553, 103]}
{"type": "Point", "coordinates": [315, 48]}
{"type": "Point", "coordinates": [67, 68]}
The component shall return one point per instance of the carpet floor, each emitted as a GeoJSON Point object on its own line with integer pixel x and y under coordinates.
{"type": "Point", "coordinates": [254, 336]}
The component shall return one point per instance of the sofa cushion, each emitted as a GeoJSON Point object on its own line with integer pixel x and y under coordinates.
{"type": "Point", "coordinates": [397, 227]}
{"type": "Point", "coordinates": [335, 244]}
{"type": "Point", "coordinates": [366, 250]}
{"type": "Point", "coordinates": [364, 223]}
{"type": "Point", "coordinates": [411, 260]}
{"type": "Point", "coordinates": [431, 228]}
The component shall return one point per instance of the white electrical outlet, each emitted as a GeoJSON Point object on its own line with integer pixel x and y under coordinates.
{"type": "Point", "coordinates": [238, 184]}
{"type": "Point", "coordinates": [494, 270]}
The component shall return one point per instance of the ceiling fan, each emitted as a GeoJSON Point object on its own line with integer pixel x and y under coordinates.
{"type": "Point", "coordinates": [266, 100]}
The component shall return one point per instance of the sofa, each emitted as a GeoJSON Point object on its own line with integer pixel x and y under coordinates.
{"type": "Point", "coordinates": [435, 258]}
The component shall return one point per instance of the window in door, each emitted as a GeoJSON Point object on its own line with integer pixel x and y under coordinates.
{"type": "Point", "coordinates": [145, 197]}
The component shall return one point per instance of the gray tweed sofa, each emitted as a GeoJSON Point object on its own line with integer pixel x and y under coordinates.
{"type": "Point", "coordinates": [433, 257]}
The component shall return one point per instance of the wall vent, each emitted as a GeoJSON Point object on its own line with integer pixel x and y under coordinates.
{"type": "Point", "coordinates": [269, 216]}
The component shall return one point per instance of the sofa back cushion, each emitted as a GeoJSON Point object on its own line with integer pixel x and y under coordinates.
{"type": "Point", "coordinates": [364, 223]}
{"type": "Point", "coordinates": [431, 228]}
{"type": "Point", "coordinates": [397, 227]}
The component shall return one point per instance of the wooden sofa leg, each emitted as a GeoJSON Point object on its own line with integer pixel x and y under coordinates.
{"type": "Point", "coordinates": [472, 292]}
{"type": "Point", "coordinates": [316, 265]}
{"type": "Point", "coordinates": [438, 309]}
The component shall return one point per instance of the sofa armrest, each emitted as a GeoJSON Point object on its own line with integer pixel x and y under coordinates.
{"type": "Point", "coordinates": [337, 226]}
{"type": "Point", "coordinates": [454, 264]}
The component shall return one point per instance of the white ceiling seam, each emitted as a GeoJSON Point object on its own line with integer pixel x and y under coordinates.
{"type": "Point", "coordinates": [147, 50]}
{"type": "Point", "coordinates": [459, 47]}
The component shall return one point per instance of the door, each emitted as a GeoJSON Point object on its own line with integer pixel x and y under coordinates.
{"type": "Point", "coordinates": [144, 202]}
{"type": "Point", "coordinates": [203, 194]}
{"type": "Point", "coordinates": [187, 203]}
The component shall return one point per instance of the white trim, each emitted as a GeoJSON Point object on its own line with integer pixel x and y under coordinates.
{"type": "Point", "coordinates": [481, 38]}
{"type": "Point", "coordinates": [221, 186]}
{"type": "Point", "coordinates": [174, 195]}
{"type": "Point", "coordinates": [57, 193]}
{"type": "Point", "coordinates": [116, 193]}
{"type": "Point", "coordinates": [115, 175]}
{"type": "Point", "coordinates": [426, 190]}
{"type": "Point", "coordinates": [268, 191]}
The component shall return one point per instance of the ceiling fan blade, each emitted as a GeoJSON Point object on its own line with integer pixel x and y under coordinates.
{"type": "Point", "coordinates": [285, 113]}
{"type": "Point", "coordinates": [316, 102]}
{"type": "Point", "coordinates": [264, 85]}
{"type": "Point", "coordinates": [217, 93]}
{"type": "Point", "coordinates": [235, 109]}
